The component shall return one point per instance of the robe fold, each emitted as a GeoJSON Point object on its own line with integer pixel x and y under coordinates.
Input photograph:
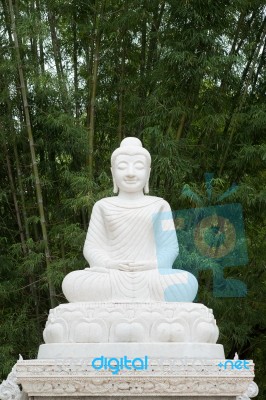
{"type": "Point", "coordinates": [141, 232]}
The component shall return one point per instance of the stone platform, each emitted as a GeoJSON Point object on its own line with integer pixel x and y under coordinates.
{"type": "Point", "coordinates": [154, 350]}
{"type": "Point", "coordinates": [180, 378]}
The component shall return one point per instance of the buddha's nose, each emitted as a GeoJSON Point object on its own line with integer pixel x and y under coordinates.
{"type": "Point", "coordinates": [130, 171]}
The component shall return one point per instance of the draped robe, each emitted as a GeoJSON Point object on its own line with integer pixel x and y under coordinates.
{"type": "Point", "coordinates": [134, 232]}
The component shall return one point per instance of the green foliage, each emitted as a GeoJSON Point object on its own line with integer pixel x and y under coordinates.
{"type": "Point", "coordinates": [188, 79]}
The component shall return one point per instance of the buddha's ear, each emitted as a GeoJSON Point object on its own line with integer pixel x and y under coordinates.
{"type": "Point", "coordinates": [115, 188]}
{"type": "Point", "coordinates": [146, 187]}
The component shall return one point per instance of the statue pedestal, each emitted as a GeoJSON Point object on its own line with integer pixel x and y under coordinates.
{"type": "Point", "coordinates": [178, 339]}
{"type": "Point", "coordinates": [106, 322]}
{"type": "Point", "coordinates": [158, 330]}
{"type": "Point", "coordinates": [164, 378]}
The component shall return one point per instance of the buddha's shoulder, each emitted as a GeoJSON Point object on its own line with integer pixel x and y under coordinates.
{"type": "Point", "coordinates": [145, 201]}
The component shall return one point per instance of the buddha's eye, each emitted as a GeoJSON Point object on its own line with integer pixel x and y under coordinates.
{"type": "Point", "coordinates": [139, 165]}
{"type": "Point", "coordinates": [122, 165]}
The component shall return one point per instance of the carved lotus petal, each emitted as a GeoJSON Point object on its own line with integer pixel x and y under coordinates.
{"type": "Point", "coordinates": [89, 331]}
{"type": "Point", "coordinates": [56, 332]}
{"type": "Point", "coordinates": [176, 330]}
{"type": "Point", "coordinates": [205, 331]}
{"type": "Point", "coordinates": [129, 331]}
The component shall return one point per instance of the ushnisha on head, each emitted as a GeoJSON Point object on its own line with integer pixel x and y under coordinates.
{"type": "Point", "coordinates": [131, 167]}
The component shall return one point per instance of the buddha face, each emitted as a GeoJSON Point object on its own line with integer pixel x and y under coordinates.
{"type": "Point", "coordinates": [131, 172]}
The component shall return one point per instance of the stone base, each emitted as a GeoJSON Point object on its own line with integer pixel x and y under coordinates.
{"type": "Point", "coordinates": [132, 350]}
{"type": "Point", "coordinates": [165, 378]}
{"type": "Point", "coordinates": [158, 322]}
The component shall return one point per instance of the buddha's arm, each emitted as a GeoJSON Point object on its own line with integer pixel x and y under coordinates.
{"type": "Point", "coordinates": [95, 248]}
{"type": "Point", "coordinates": [165, 238]}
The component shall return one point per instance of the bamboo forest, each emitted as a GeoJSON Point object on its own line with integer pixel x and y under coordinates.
{"type": "Point", "coordinates": [188, 79]}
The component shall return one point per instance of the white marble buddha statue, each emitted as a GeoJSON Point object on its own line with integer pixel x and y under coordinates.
{"type": "Point", "coordinates": [130, 259]}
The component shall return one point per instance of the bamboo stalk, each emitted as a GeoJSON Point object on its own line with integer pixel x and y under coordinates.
{"type": "Point", "coordinates": [58, 62]}
{"type": "Point", "coordinates": [93, 91]}
{"type": "Point", "coordinates": [15, 200]}
{"type": "Point", "coordinates": [246, 81]}
{"type": "Point", "coordinates": [121, 96]}
{"type": "Point", "coordinates": [21, 192]}
{"type": "Point", "coordinates": [40, 40]}
{"type": "Point", "coordinates": [33, 286]}
{"type": "Point", "coordinates": [181, 127]}
{"type": "Point", "coordinates": [75, 63]}
{"type": "Point", "coordinates": [32, 151]}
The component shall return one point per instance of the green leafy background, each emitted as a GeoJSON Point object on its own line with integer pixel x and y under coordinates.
{"type": "Point", "coordinates": [188, 78]}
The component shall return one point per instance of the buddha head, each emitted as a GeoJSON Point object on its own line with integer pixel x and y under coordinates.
{"type": "Point", "coordinates": [130, 166]}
